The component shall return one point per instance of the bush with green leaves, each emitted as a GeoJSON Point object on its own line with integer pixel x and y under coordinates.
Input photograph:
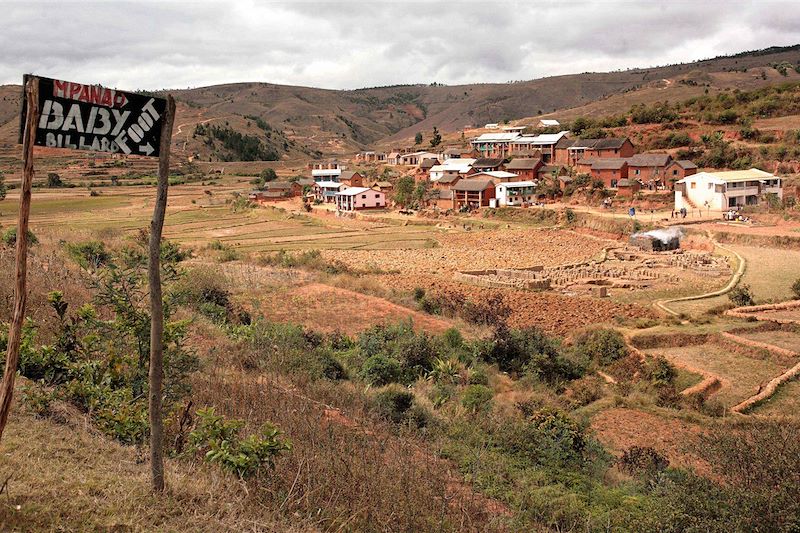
{"type": "Point", "coordinates": [796, 288]}
{"type": "Point", "coordinates": [529, 351]}
{"type": "Point", "coordinates": [741, 296]}
{"type": "Point", "coordinates": [220, 441]}
{"type": "Point", "coordinates": [90, 255]}
{"type": "Point", "coordinates": [477, 398]}
{"type": "Point", "coordinates": [101, 364]}
{"type": "Point", "coordinates": [9, 237]}
{"type": "Point", "coordinates": [393, 402]}
{"type": "Point", "coordinates": [381, 370]}
{"type": "Point", "coordinates": [600, 347]}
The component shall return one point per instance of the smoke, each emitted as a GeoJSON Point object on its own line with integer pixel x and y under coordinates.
{"type": "Point", "coordinates": [663, 235]}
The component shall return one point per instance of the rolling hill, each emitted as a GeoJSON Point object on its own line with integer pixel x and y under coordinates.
{"type": "Point", "coordinates": [301, 122]}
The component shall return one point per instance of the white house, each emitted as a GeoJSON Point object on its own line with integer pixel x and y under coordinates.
{"type": "Point", "coordinates": [720, 191]}
{"type": "Point", "coordinates": [515, 193]}
{"type": "Point", "coordinates": [460, 165]}
{"type": "Point", "coordinates": [355, 198]}
{"type": "Point", "coordinates": [492, 126]}
{"type": "Point", "coordinates": [326, 174]}
{"type": "Point", "coordinates": [548, 123]}
{"type": "Point", "coordinates": [327, 190]}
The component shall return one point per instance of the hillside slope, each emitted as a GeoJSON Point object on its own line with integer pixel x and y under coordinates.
{"type": "Point", "coordinates": [310, 120]}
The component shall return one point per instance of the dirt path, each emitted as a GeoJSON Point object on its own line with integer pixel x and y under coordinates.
{"type": "Point", "coordinates": [662, 304]}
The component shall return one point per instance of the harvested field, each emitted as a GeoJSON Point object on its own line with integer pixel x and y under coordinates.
{"type": "Point", "coordinates": [555, 313]}
{"type": "Point", "coordinates": [621, 428]}
{"type": "Point", "coordinates": [328, 309]}
{"type": "Point", "coordinates": [788, 340]}
{"type": "Point", "coordinates": [517, 248]}
{"type": "Point", "coordinates": [785, 402]}
{"type": "Point", "coordinates": [741, 372]}
{"type": "Point", "coordinates": [770, 273]}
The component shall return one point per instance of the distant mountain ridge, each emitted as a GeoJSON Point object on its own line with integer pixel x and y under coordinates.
{"type": "Point", "coordinates": [311, 122]}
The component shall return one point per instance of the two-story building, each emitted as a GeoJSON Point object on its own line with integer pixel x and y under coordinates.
{"type": "Point", "coordinates": [720, 191]}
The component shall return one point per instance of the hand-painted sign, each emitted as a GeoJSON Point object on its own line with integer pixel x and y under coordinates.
{"type": "Point", "coordinates": [90, 117]}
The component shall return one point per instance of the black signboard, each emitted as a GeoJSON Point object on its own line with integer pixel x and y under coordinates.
{"type": "Point", "coordinates": [91, 117]}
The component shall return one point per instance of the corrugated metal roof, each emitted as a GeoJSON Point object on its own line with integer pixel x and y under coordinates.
{"type": "Point", "coordinates": [473, 185]}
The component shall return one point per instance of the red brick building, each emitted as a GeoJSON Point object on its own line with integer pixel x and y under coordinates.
{"type": "Point", "coordinates": [570, 151]}
{"type": "Point", "coordinates": [677, 170]}
{"type": "Point", "coordinates": [526, 168]}
{"type": "Point", "coordinates": [649, 169]}
{"type": "Point", "coordinates": [474, 192]}
{"type": "Point", "coordinates": [610, 171]}
{"type": "Point", "coordinates": [351, 178]}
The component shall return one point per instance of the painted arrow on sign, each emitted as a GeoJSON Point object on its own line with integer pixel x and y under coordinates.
{"type": "Point", "coordinates": [147, 149]}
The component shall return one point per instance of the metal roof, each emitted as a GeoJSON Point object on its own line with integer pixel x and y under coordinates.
{"type": "Point", "coordinates": [473, 185]}
{"type": "Point", "coordinates": [354, 191]}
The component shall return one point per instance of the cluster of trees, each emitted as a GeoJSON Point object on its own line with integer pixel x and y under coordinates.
{"type": "Point", "coordinates": [240, 146]}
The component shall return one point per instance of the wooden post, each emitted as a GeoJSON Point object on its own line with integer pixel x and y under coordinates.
{"type": "Point", "coordinates": [20, 290]}
{"type": "Point", "coordinates": [156, 304]}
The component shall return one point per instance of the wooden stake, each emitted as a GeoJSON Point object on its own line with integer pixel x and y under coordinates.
{"type": "Point", "coordinates": [157, 306]}
{"type": "Point", "coordinates": [20, 290]}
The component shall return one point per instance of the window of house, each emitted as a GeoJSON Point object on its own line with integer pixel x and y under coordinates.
{"type": "Point", "coordinates": [363, 196]}
{"type": "Point", "coordinates": [710, 185]}
{"type": "Point", "coordinates": [636, 171]}
{"type": "Point", "coordinates": [613, 184]}
{"type": "Point", "coordinates": [675, 172]}
{"type": "Point", "coordinates": [377, 196]}
{"type": "Point", "coordinates": [693, 185]}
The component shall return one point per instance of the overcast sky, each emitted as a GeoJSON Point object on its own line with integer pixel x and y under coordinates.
{"type": "Point", "coordinates": [346, 45]}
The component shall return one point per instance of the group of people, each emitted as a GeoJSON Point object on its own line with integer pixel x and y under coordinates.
{"type": "Point", "coordinates": [680, 213]}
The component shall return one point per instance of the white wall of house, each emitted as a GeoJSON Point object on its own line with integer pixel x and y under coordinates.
{"type": "Point", "coordinates": [515, 193]}
{"type": "Point", "coordinates": [720, 192]}
{"type": "Point", "coordinates": [360, 198]}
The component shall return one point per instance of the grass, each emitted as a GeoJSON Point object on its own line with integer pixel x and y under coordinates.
{"type": "Point", "coordinates": [782, 339]}
{"type": "Point", "coordinates": [770, 273]}
{"type": "Point", "coordinates": [786, 401]}
{"type": "Point", "coordinates": [741, 375]}
{"type": "Point", "coordinates": [65, 478]}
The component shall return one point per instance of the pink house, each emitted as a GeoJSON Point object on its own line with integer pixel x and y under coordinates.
{"type": "Point", "coordinates": [356, 198]}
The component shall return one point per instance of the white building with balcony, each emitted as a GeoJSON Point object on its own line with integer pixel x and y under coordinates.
{"type": "Point", "coordinates": [721, 191]}
{"type": "Point", "coordinates": [515, 194]}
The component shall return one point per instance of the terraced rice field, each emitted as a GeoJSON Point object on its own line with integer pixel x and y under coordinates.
{"type": "Point", "coordinates": [788, 340]}
{"type": "Point", "coordinates": [770, 273]}
{"type": "Point", "coordinates": [259, 230]}
{"type": "Point", "coordinates": [741, 375]}
{"type": "Point", "coordinates": [786, 401]}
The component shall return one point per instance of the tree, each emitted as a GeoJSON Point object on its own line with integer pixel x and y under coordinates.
{"type": "Point", "coordinates": [404, 191]}
{"type": "Point", "coordinates": [796, 288]}
{"type": "Point", "coordinates": [54, 180]}
{"type": "Point", "coordinates": [436, 140]}
{"type": "Point", "coordinates": [2, 187]}
{"type": "Point", "coordinates": [741, 296]}
{"type": "Point", "coordinates": [268, 174]}
{"type": "Point", "coordinates": [418, 138]}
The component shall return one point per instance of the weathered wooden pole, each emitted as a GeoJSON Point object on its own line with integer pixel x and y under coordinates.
{"type": "Point", "coordinates": [20, 289]}
{"type": "Point", "coordinates": [156, 304]}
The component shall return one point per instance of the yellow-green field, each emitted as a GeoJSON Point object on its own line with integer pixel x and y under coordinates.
{"type": "Point", "coordinates": [769, 272]}
{"type": "Point", "coordinates": [195, 219]}
{"type": "Point", "coordinates": [740, 375]}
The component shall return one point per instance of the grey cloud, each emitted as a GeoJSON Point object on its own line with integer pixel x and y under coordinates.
{"type": "Point", "coordinates": [354, 44]}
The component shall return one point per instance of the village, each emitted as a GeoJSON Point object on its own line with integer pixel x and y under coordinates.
{"type": "Point", "coordinates": [510, 168]}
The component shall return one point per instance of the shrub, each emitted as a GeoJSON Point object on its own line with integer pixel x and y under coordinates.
{"type": "Point", "coordinates": [90, 255]}
{"type": "Point", "coordinates": [477, 376]}
{"type": "Point", "coordinates": [642, 461]}
{"type": "Point", "coordinates": [477, 398]}
{"type": "Point", "coordinates": [393, 403]}
{"type": "Point", "coordinates": [220, 441]}
{"type": "Point", "coordinates": [587, 390]}
{"type": "Point", "coordinates": [444, 371]}
{"type": "Point", "coordinates": [10, 237]}
{"type": "Point", "coordinates": [796, 288]}
{"type": "Point", "coordinates": [380, 370]}
{"type": "Point", "coordinates": [660, 371]}
{"type": "Point", "coordinates": [741, 296]}
{"type": "Point", "coordinates": [600, 346]}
